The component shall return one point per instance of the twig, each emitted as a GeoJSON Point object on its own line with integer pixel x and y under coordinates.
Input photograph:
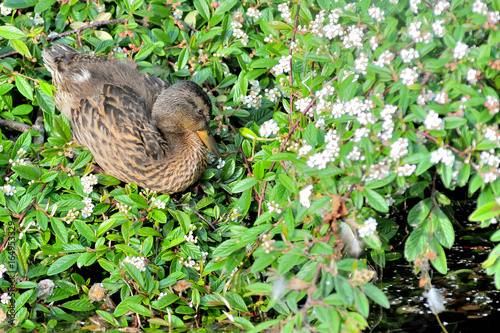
{"type": "Point", "coordinates": [260, 198]}
{"type": "Point", "coordinates": [203, 218]}
{"type": "Point", "coordinates": [15, 125]}
{"type": "Point", "coordinates": [38, 126]}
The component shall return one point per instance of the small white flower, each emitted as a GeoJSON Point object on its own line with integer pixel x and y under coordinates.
{"type": "Point", "coordinates": [460, 51]}
{"type": "Point", "coordinates": [5, 11]}
{"type": "Point", "coordinates": [178, 14]}
{"type": "Point", "coordinates": [304, 195]}
{"type": "Point", "coordinates": [138, 262]}
{"type": "Point", "coordinates": [5, 298]}
{"type": "Point", "coordinates": [268, 128]}
{"type": "Point", "coordinates": [433, 122]}
{"type": "Point", "coordinates": [368, 228]}
{"type": "Point", "coordinates": [253, 13]}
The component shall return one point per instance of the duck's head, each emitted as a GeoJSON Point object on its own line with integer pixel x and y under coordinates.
{"type": "Point", "coordinates": [182, 107]}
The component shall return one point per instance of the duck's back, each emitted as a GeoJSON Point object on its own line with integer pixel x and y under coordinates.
{"type": "Point", "coordinates": [78, 76]}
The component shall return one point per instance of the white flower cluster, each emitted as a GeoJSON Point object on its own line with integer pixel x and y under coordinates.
{"type": "Point", "coordinates": [406, 170]}
{"type": "Point", "coordinates": [8, 190]}
{"type": "Point", "coordinates": [158, 203]}
{"type": "Point", "coordinates": [408, 55]}
{"type": "Point", "coordinates": [89, 207]}
{"type": "Point", "coordinates": [283, 65]}
{"type": "Point", "coordinates": [302, 104]}
{"type": "Point", "coordinates": [368, 228]}
{"type": "Point", "coordinates": [71, 216]}
{"type": "Point", "coordinates": [5, 11]}
{"type": "Point", "coordinates": [472, 75]}
{"type": "Point", "coordinates": [304, 150]}
{"type": "Point", "coordinates": [138, 262]}
{"type": "Point", "coordinates": [366, 117]}
{"type": "Point", "coordinates": [414, 5]}
{"type": "Point", "coordinates": [5, 298]}
{"type": "Point", "coordinates": [178, 14]}
{"type": "Point", "coordinates": [494, 17]}
{"type": "Point", "coordinates": [479, 7]}
{"type": "Point", "coordinates": [273, 95]}
{"type": "Point", "coordinates": [38, 19]}
{"type": "Point", "coordinates": [388, 124]}
{"type": "Point", "coordinates": [253, 13]}
{"type": "Point", "coordinates": [253, 99]}
{"type": "Point", "coordinates": [221, 163]}
{"type": "Point", "coordinates": [384, 59]}
{"type": "Point", "coordinates": [354, 37]}
{"type": "Point", "coordinates": [488, 158]}
{"type": "Point", "coordinates": [415, 33]}
{"type": "Point", "coordinates": [373, 43]}
{"type": "Point", "coordinates": [409, 76]}
{"type": "Point", "coordinates": [3, 269]}
{"type": "Point", "coordinates": [268, 128]}
{"type": "Point", "coordinates": [489, 177]}
{"type": "Point", "coordinates": [267, 243]}
{"type": "Point", "coordinates": [304, 195]}
{"type": "Point", "coordinates": [376, 13]}
{"type": "Point", "coordinates": [460, 51]}
{"type": "Point", "coordinates": [438, 28]}
{"type": "Point", "coordinates": [492, 134]}
{"type": "Point", "coordinates": [441, 98]}
{"type": "Point", "coordinates": [88, 183]}
{"type": "Point", "coordinates": [492, 104]}
{"type": "Point", "coordinates": [379, 171]}
{"type": "Point", "coordinates": [361, 133]}
{"type": "Point", "coordinates": [361, 63]}
{"type": "Point", "coordinates": [441, 6]}
{"type": "Point", "coordinates": [286, 14]}
{"type": "Point", "coordinates": [424, 98]}
{"type": "Point", "coordinates": [316, 25]}
{"type": "Point", "coordinates": [399, 149]}
{"type": "Point", "coordinates": [443, 155]}
{"type": "Point", "coordinates": [238, 33]}
{"type": "Point", "coordinates": [433, 122]}
{"type": "Point", "coordinates": [122, 208]}
{"type": "Point", "coordinates": [355, 155]}
{"type": "Point", "coordinates": [273, 207]}
{"type": "Point", "coordinates": [331, 151]}
{"type": "Point", "coordinates": [353, 108]}
{"type": "Point", "coordinates": [191, 238]}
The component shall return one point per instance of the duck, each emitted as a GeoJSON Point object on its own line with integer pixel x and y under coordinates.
{"type": "Point", "coordinates": [139, 128]}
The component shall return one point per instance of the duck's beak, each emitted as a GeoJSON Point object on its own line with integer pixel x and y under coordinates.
{"type": "Point", "coordinates": [209, 141]}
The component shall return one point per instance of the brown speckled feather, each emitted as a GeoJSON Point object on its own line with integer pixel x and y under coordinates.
{"type": "Point", "coordinates": [138, 128]}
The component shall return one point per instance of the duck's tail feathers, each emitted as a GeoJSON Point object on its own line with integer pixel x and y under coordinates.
{"type": "Point", "coordinates": [56, 51]}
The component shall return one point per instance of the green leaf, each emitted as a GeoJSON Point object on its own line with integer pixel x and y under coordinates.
{"type": "Point", "coordinates": [78, 305]}
{"type": "Point", "coordinates": [59, 229]}
{"type": "Point", "coordinates": [44, 5]}
{"type": "Point", "coordinates": [244, 184]}
{"type": "Point", "coordinates": [134, 273]}
{"type": "Point", "coordinates": [30, 172]}
{"type": "Point", "coordinates": [62, 264]}
{"type": "Point", "coordinates": [82, 160]}
{"type": "Point", "coordinates": [20, 47]}
{"type": "Point", "coordinates": [485, 212]}
{"type": "Point", "coordinates": [62, 129]}
{"type": "Point", "coordinates": [144, 51]}
{"type": "Point", "coordinates": [137, 308]}
{"type": "Point", "coordinates": [376, 295]}
{"type": "Point", "coordinates": [443, 229]}
{"type": "Point", "coordinates": [11, 32]}
{"type": "Point", "coordinates": [108, 317]}
{"type": "Point", "coordinates": [24, 87]}
{"type": "Point", "coordinates": [376, 200]}
{"type": "Point", "coordinates": [419, 212]}
{"type": "Point", "coordinates": [85, 231]}
{"type": "Point", "coordinates": [20, 4]}
{"type": "Point", "coordinates": [202, 8]}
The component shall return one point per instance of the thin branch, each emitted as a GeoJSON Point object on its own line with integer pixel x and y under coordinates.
{"type": "Point", "coordinates": [38, 126]}
{"type": "Point", "coordinates": [14, 125]}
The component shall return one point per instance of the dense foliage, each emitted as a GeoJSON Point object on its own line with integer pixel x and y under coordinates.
{"type": "Point", "coordinates": [329, 115]}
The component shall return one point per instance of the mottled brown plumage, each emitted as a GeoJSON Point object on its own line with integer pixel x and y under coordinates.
{"type": "Point", "coordinates": [138, 128]}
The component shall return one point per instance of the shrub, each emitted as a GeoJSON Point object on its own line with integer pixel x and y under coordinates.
{"type": "Point", "coordinates": [328, 114]}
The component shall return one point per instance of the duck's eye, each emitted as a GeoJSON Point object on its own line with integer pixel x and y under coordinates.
{"type": "Point", "coordinates": [200, 111]}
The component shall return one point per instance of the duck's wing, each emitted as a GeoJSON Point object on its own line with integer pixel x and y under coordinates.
{"type": "Point", "coordinates": [79, 76]}
{"type": "Point", "coordinates": [116, 129]}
